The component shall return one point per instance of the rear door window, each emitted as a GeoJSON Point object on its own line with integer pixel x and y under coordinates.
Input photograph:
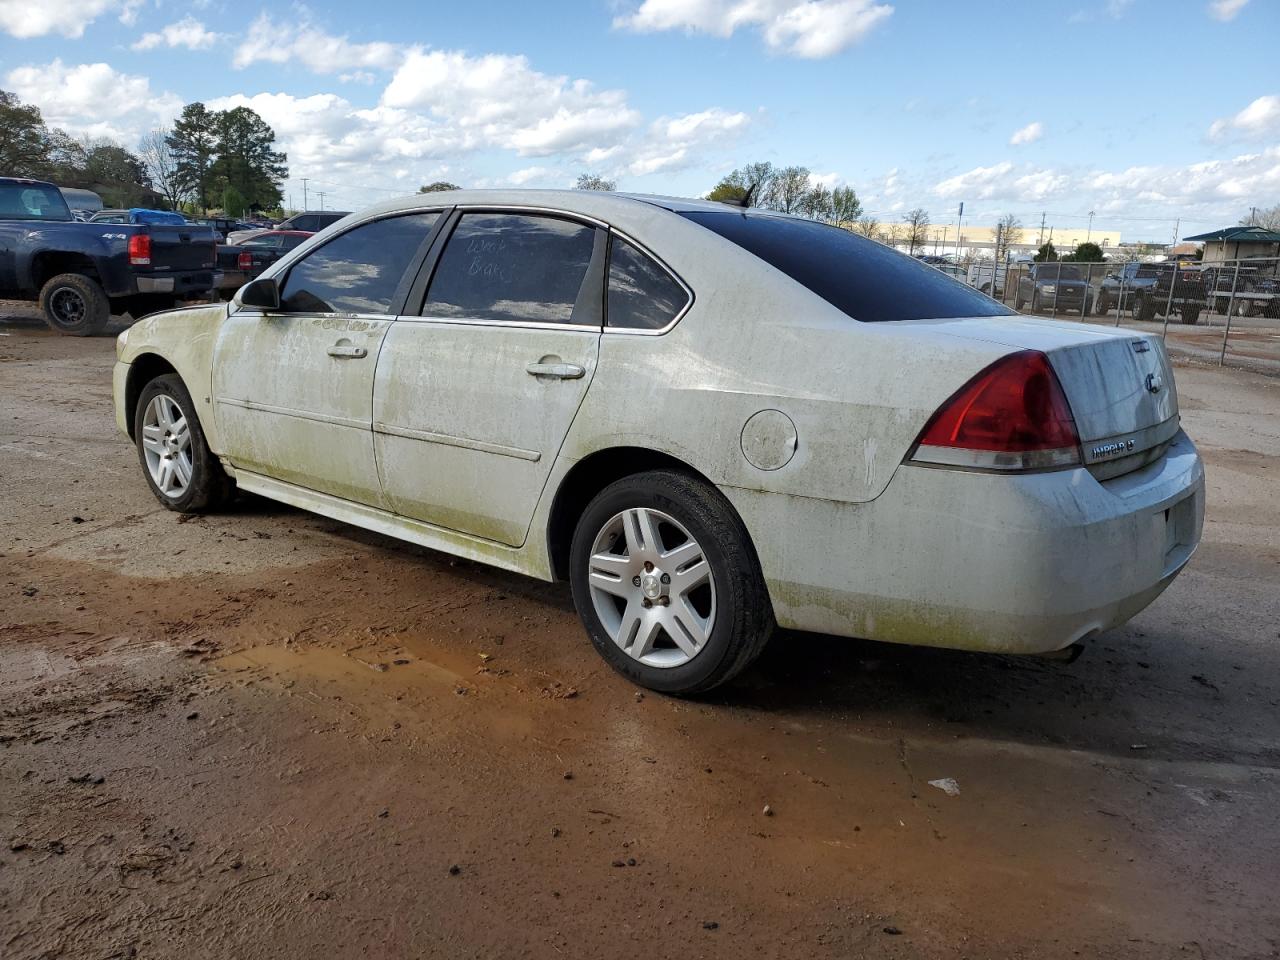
{"type": "Point", "coordinates": [359, 271]}
{"type": "Point", "coordinates": [515, 268]}
{"type": "Point", "coordinates": [865, 279]}
{"type": "Point", "coordinates": [643, 295]}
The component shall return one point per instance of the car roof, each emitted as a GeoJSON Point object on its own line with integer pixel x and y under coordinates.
{"type": "Point", "coordinates": [601, 204]}
{"type": "Point", "coordinates": [28, 181]}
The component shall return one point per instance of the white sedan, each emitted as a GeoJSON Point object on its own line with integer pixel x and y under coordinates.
{"type": "Point", "coordinates": [711, 421]}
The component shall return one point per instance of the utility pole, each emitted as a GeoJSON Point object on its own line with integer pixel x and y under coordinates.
{"type": "Point", "coordinates": [959, 221]}
{"type": "Point", "coordinates": [321, 192]}
{"type": "Point", "coordinates": [1089, 236]}
{"type": "Point", "coordinates": [1040, 242]}
{"type": "Point", "coordinates": [304, 192]}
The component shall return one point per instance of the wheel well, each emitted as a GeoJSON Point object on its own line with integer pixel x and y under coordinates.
{"type": "Point", "coordinates": [45, 266]}
{"type": "Point", "coordinates": [587, 478]}
{"type": "Point", "coordinates": [142, 371]}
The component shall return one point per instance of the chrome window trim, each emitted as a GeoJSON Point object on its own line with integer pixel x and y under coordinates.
{"type": "Point", "coordinates": [507, 324]}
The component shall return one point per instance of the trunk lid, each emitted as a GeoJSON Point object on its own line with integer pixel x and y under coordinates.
{"type": "Point", "coordinates": [179, 248]}
{"type": "Point", "coordinates": [1118, 382]}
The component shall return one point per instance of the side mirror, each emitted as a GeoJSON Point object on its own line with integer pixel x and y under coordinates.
{"type": "Point", "coordinates": [261, 293]}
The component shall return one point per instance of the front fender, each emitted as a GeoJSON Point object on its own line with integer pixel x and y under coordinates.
{"type": "Point", "coordinates": [182, 339]}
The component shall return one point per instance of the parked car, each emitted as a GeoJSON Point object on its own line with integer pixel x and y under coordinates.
{"type": "Point", "coordinates": [138, 215]}
{"type": "Point", "coordinates": [240, 264]}
{"type": "Point", "coordinates": [311, 221]}
{"type": "Point", "coordinates": [221, 226]}
{"type": "Point", "coordinates": [1056, 286]}
{"type": "Point", "coordinates": [709, 420]}
{"type": "Point", "coordinates": [80, 273]}
{"type": "Point", "coordinates": [1187, 299]}
{"type": "Point", "coordinates": [1120, 285]}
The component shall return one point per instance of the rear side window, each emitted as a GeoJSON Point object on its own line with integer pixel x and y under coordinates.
{"type": "Point", "coordinates": [865, 279]}
{"type": "Point", "coordinates": [305, 222]}
{"type": "Point", "coordinates": [514, 268]}
{"type": "Point", "coordinates": [642, 294]}
{"type": "Point", "coordinates": [358, 271]}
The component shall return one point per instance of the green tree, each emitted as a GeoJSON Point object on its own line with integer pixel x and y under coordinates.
{"type": "Point", "coordinates": [194, 144]}
{"type": "Point", "coordinates": [114, 173]}
{"type": "Point", "coordinates": [846, 208]}
{"type": "Point", "coordinates": [591, 181]}
{"type": "Point", "coordinates": [1046, 254]}
{"type": "Point", "coordinates": [24, 139]}
{"type": "Point", "coordinates": [753, 177]}
{"type": "Point", "coordinates": [818, 205]}
{"type": "Point", "coordinates": [233, 204]}
{"type": "Point", "coordinates": [787, 190]}
{"type": "Point", "coordinates": [246, 158]}
{"type": "Point", "coordinates": [440, 186]}
{"type": "Point", "coordinates": [1087, 252]}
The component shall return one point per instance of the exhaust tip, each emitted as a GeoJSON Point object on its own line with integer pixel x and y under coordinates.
{"type": "Point", "coordinates": [1068, 654]}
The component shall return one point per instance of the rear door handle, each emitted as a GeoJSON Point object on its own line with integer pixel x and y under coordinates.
{"type": "Point", "coordinates": [344, 350]}
{"type": "Point", "coordinates": [561, 371]}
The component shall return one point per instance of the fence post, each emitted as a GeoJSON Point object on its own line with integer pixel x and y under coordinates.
{"type": "Point", "coordinates": [1168, 307]}
{"type": "Point", "coordinates": [1231, 303]}
{"type": "Point", "coordinates": [1057, 292]}
{"type": "Point", "coordinates": [1088, 289]}
{"type": "Point", "coordinates": [1124, 278]}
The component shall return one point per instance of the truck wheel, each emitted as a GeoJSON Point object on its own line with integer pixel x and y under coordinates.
{"type": "Point", "coordinates": [1143, 309]}
{"type": "Point", "coordinates": [75, 304]}
{"type": "Point", "coordinates": [1101, 305]}
{"type": "Point", "coordinates": [667, 583]}
{"type": "Point", "coordinates": [1190, 314]}
{"type": "Point", "coordinates": [1018, 303]}
{"type": "Point", "coordinates": [183, 473]}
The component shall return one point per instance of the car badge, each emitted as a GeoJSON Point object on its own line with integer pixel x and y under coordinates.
{"type": "Point", "coordinates": [1154, 383]}
{"type": "Point", "coordinates": [1141, 346]}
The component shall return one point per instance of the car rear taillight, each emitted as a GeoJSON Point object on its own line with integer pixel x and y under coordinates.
{"type": "Point", "coordinates": [140, 250]}
{"type": "Point", "coordinates": [1011, 416]}
{"type": "Point", "coordinates": [244, 261]}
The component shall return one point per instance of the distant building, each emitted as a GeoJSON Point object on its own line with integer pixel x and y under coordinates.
{"type": "Point", "coordinates": [1236, 243]}
{"type": "Point", "coordinates": [978, 239]}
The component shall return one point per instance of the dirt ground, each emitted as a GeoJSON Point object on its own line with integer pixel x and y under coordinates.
{"type": "Point", "coordinates": [265, 734]}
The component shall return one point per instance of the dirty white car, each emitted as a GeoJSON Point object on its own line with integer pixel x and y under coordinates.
{"type": "Point", "coordinates": [709, 420]}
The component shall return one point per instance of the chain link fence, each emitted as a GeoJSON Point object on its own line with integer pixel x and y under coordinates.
{"type": "Point", "coordinates": [1225, 312]}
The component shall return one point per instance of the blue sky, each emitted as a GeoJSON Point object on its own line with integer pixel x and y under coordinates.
{"type": "Point", "coordinates": [1143, 111]}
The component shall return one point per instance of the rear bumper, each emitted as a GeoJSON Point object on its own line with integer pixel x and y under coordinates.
{"type": "Point", "coordinates": [197, 282]}
{"type": "Point", "coordinates": [1011, 564]}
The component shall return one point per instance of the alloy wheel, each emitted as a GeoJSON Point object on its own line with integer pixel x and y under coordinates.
{"type": "Point", "coordinates": [68, 306]}
{"type": "Point", "coordinates": [166, 444]}
{"type": "Point", "coordinates": [652, 587]}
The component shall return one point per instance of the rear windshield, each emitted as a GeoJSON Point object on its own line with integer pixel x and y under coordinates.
{"type": "Point", "coordinates": [32, 201]}
{"type": "Point", "coordinates": [862, 277]}
{"type": "Point", "coordinates": [1058, 271]}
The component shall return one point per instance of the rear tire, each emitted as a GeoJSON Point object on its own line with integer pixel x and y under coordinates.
{"type": "Point", "coordinates": [695, 537]}
{"type": "Point", "coordinates": [1101, 305]}
{"type": "Point", "coordinates": [181, 470]}
{"type": "Point", "coordinates": [1190, 315]}
{"type": "Point", "coordinates": [1144, 310]}
{"type": "Point", "coordinates": [75, 304]}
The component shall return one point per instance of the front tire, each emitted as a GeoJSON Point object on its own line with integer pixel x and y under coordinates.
{"type": "Point", "coordinates": [667, 583]}
{"type": "Point", "coordinates": [181, 470]}
{"type": "Point", "coordinates": [75, 305]}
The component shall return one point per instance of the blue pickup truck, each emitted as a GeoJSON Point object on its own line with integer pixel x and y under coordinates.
{"type": "Point", "coordinates": [82, 273]}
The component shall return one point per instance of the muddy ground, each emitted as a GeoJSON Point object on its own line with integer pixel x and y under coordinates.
{"type": "Point", "coordinates": [265, 734]}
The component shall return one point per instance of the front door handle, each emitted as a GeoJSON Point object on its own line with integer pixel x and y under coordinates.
{"type": "Point", "coordinates": [345, 349]}
{"type": "Point", "coordinates": [561, 371]}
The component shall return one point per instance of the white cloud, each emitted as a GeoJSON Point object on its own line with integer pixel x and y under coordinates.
{"type": "Point", "coordinates": [275, 41]}
{"type": "Point", "coordinates": [187, 32]}
{"type": "Point", "coordinates": [801, 28]}
{"type": "Point", "coordinates": [1260, 118]}
{"type": "Point", "coordinates": [1210, 189]}
{"type": "Point", "coordinates": [500, 100]}
{"type": "Point", "coordinates": [1225, 10]}
{"type": "Point", "coordinates": [527, 175]}
{"type": "Point", "coordinates": [671, 142]}
{"type": "Point", "coordinates": [35, 18]}
{"type": "Point", "coordinates": [1028, 134]}
{"type": "Point", "coordinates": [93, 99]}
